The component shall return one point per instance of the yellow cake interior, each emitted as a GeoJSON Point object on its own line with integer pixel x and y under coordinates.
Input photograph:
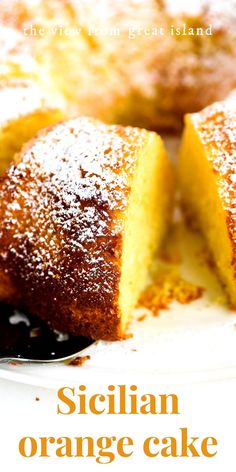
{"type": "Point", "coordinates": [146, 221]}
{"type": "Point", "coordinates": [203, 204]}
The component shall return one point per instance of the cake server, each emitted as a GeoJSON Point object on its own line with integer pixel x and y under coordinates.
{"type": "Point", "coordinates": [26, 338]}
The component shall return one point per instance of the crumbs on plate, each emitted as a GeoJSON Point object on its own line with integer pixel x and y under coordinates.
{"type": "Point", "coordinates": [165, 288]}
{"type": "Point", "coordinates": [79, 361]}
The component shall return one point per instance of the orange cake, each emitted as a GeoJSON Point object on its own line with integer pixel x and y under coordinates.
{"type": "Point", "coordinates": [82, 211]}
{"type": "Point", "coordinates": [207, 170]}
{"type": "Point", "coordinates": [110, 60]}
{"type": "Point", "coordinates": [86, 203]}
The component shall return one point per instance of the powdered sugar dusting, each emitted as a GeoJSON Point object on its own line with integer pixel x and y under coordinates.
{"type": "Point", "coordinates": [62, 212]}
{"type": "Point", "coordinates": [216, 126]}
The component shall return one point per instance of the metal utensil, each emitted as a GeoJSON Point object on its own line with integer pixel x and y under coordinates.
{"type": "Point", "coordinates": [26, 338]}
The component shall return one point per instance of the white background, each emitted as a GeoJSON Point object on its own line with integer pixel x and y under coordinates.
{"type": "Point", "coordinates": [207, 409]}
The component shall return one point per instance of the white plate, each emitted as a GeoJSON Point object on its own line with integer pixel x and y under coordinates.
{"type": "Point", "coordinates": [188, 343]}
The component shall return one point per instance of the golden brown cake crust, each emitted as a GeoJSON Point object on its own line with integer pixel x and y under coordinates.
{"type": "Point", "coordinates": [216, 127]}
{"type": "Point", "coordinates": [62, 209]}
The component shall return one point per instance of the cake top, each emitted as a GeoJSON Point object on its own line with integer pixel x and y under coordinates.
{"type": "Point", "coordinates": [67, 191]}
{"type": "Point", "coordinates": [216, 127]}
{"type": "Point", "coordinates": [84, 159]}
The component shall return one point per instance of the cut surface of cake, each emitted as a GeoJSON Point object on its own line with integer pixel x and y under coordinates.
{"type": "Point", "coordinates": [23, 111]}
{"type": "Point", "coordinates": [82, 210]}
{"type": "Point", "coordinates": [207, 171]}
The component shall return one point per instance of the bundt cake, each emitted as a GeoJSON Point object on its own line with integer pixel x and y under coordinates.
{"type": "Point", "coordinates": [130, 62]}
{"type": "Point", "coordinates": [82, 210]}
{"type": "Point", "coordinates": [85, 204]}
{"type": "Point", "coordinates": [23, 111]}
{"type": "Point", "coordinates": [207, 170]}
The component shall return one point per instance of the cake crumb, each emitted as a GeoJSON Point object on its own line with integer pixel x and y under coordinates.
{"type": "Point", "coordinates": [37, 399]}
{"type": "Point", "coordinates": [79, 361]}
{"type": "Point", "coordinates": [167, 287]}
{"type": "Point", "coordinates": [127, 336]}
{"type": "Point", "coordinates": [142, 317]}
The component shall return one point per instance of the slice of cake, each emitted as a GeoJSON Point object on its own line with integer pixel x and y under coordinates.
{"type": "Point", "coordinates": [23, 111]}
{"type": "Point", "coordinates": [82, 211]}
{"type": "Point", "coordinates": [207, 170]}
